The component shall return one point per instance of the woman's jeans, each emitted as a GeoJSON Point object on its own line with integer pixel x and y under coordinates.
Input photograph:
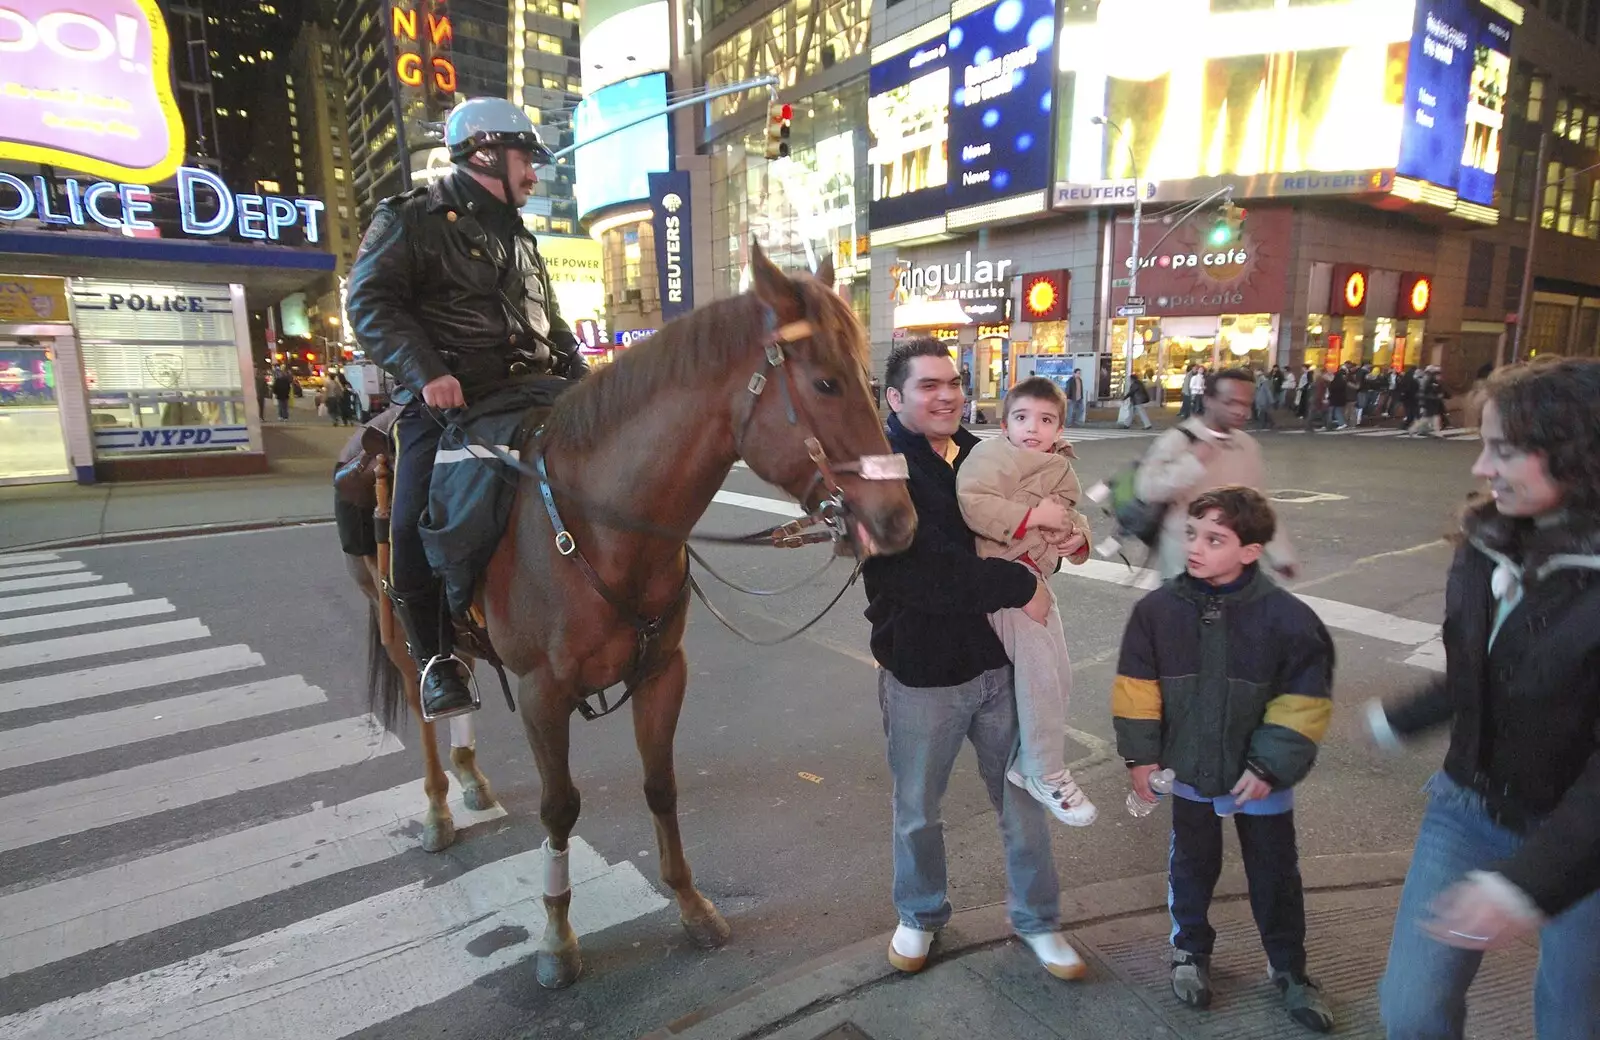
{"type": "Point", "coordinates": [1424, 990]}
{"type": "Point", "coordinates": [926, 727]}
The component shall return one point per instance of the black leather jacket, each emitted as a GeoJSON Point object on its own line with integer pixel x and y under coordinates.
{"type": "Point", "coordinates": [423, 299]}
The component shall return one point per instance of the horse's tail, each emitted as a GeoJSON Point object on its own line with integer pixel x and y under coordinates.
{"type": "Point", "coordinates": [385, 686]}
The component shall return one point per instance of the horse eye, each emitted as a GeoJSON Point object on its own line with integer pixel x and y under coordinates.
{"type": "Point", "coordinates": [829, 387]}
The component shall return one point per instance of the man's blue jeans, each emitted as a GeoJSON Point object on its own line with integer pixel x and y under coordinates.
{"type": "Point", "coordinates": [926, 727]}
{"type": "Point", "coordinates": [1424, 990]}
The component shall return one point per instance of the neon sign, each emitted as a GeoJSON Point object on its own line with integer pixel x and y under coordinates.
{"type": "Point", "coordinates": [89, 92]}
{"type": "Point", "coordinates": [1355, 290]}
{"type": "Point", "coordinates": [405, 25]}
{"type": "Point", "coordinates": [121, 207]}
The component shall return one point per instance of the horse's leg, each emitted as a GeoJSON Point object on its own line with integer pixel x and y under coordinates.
{"type": "Point", "coordinates": [438, 828]}
{"type": "Point", "coordinates": [547, 718]}
{"type": "Point", "coordinates": [464, 763]}
{"type": "Point", "coordinates": [656, 703]}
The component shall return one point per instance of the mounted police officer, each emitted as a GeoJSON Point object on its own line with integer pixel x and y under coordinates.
{"type": "Point", "coordinates": [450, 296]}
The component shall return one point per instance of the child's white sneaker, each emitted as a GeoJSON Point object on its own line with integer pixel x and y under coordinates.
{"type": "Point", "coordinates": [1056, 954]}
{"type": "Point", "coordinates": [1060, 794]}
{"type": "Point", "coordinates": [908, 950]}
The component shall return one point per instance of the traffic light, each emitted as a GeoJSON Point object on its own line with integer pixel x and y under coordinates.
{"type": "Point", "coordinates": [1225, 232]}
{"type": "Point", "coordinates": [780, 118]}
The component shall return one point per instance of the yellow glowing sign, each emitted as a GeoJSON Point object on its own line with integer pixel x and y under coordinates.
{"type": "Point", "coordinates": [1355, 289]}
{"type": "Point", "coordinates": [90, 92]}
{"type": "Point", "coordinates": [1421, 293]}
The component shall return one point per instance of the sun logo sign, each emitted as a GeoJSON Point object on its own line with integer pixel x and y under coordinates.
{"type": "Point", "coordinates": [1044, 296]}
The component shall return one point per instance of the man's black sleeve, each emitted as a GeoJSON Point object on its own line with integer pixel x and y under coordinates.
{"type": "Point", "coordinates": [381, 292]}
{"type": "Point", "coordinates": [938, 576]}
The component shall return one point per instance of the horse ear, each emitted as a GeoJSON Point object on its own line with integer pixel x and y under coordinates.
{"type": "Point", "coordinates": [825, 272]}
{"type": "Point", "coordinates": [771, 285]}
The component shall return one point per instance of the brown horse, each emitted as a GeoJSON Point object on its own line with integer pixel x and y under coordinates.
{"type": "Point", "coordinates": [650, 440]}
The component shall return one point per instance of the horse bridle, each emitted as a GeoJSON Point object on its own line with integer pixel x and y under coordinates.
{"type": "Point", "coordinates": [831, 512]}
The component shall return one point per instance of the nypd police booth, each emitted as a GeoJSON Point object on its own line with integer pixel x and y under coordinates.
{"type": "Point", "coordinates": [127, 275]}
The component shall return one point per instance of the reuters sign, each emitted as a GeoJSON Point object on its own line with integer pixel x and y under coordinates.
{"type": "Point", "coordinates": [88, 87]}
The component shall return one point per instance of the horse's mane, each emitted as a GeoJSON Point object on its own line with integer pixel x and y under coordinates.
{"type": "Point", "coordinates": [694, 350]}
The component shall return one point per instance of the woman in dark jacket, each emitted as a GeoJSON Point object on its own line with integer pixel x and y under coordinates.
{"type": "Point", "coordinates": [1510, 843]}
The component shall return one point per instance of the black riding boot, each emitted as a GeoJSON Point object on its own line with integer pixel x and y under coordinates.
{"type": "Point", "coordinates": [445, 690]}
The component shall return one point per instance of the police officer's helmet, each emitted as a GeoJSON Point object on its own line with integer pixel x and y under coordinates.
{"type": "Point", "coordinates": [491, 122]}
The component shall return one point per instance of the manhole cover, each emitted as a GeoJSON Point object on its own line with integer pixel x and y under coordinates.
{"type": "Point", "coordinates": [847, 1031]}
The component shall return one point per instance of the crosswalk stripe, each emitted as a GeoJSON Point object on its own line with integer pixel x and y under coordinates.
{"type": "Point", "coordinates": [62, 597]}
{"type": "Point", "coordinates": [61, 687]}
{"type": "Point", "coordinates": [48, 581]}
{"type": "Point", "coordinates": [756, 502]}
{"type": "Point", "coordinates": [349, 968]}
{"type": "Point", "coordinates": [17, 559]}
{"type": "Point", "coordinates": [65, 648]}
{"type": "Point", "coordinates": [61, 919]}
{"type": "Point", "coordinates": [58, 567]}
{"type": "Point", "coordinates": [85, 733]}
{"type": "Point", "coordinates": [86, 616]}
{"type": "Point", "coordinates": [47, 813]}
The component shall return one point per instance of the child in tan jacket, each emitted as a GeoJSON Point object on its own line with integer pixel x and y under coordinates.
{"type": "Point", "coordinates": [1019, 495]}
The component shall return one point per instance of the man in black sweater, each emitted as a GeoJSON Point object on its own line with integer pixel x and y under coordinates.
{"type": "Point", "coordinates": [944, 676]}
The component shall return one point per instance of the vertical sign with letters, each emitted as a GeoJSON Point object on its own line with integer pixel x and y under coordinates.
{"type": "Point", "coordinates": [671, 218]}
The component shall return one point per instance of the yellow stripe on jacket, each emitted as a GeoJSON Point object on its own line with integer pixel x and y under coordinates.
{"type": "Point", "coordinates": [1136, 698]}
{"type": "Point", "coordinates": [1307, 716]}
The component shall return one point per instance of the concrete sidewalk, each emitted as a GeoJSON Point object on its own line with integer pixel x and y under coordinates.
{"type": "Point", "coordinates": [298, 488]}
{"type": "Point", "coordinates": [983, 983]}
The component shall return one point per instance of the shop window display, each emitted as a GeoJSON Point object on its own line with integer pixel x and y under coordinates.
{"type": "Point", "coordinates": [30, 415]}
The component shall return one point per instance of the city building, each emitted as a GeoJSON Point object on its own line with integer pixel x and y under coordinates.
{"type": "Point", "coordinates": [1382, 155]}
{"type": "Point", "coordinates": [322, 125]}
{"type": "Point", "coordinates": [191, 78]}
{"type": "Point", "coordinates": [546, 78]}
{"type": "Point", "coordinates": [128, 275]}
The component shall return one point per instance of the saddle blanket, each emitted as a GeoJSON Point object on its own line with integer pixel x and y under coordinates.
{"type": "Point", "coordinates": [472, 490]}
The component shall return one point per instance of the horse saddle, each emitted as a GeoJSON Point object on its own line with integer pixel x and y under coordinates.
{"type": "Point", "coordinates": [355, 475]}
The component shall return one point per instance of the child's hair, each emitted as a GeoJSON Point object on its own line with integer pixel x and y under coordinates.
{"type": "Point", "coordinates": [1242, 510]}
{"type": "Point", "coordinates": [1039, 389]}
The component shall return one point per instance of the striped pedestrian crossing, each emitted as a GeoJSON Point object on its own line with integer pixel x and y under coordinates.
{"type": "Point", "coordinates": [98, 702]}
{"type": "Point", "coordinates": [1455, 433]}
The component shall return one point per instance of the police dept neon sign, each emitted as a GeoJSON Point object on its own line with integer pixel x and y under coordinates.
{"type": "Point", "coordinates": [206, 206]}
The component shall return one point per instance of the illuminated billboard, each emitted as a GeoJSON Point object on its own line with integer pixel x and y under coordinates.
{"type": "Point", "coordinates": [617, 168]}
{"type": "Point", "coordinates": [1001, 93]}
{"type": "Point", "coordinates": [908, 125]}
{"type": "Point", "coordinates": [90, 92]}
{"type": "Point", "coordinates": [1336, 96]}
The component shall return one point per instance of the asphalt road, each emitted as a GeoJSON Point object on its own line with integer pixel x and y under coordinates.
{"type": "Point", "coordinates": [197, 865]}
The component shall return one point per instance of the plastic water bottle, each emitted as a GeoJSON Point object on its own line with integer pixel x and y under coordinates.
{"type": "Point", "coordinates": [1160, 784]}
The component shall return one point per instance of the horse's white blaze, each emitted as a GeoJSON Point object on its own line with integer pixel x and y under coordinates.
{"type": "Point", "coordinates": [173, 783]}
{"type": "Point", "coordinates": [350, 968]}
{"type": "Point", "coordinates": [61, 687]}
{"type": "Point", "coordinates": [62, 919]}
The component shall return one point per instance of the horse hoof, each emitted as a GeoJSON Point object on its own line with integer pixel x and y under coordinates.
{"type": "Point", "coordinates": [560, 969]}
{"type": "Point", "coordinates": [709, 931]}
{"type": "Point", "coordinates": [438, 834]}
{"type": "Point", "coordinates": [477, 798]}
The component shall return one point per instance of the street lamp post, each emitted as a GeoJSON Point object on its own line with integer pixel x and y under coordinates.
{"type": "Point", "coordinates": [1133, 257]}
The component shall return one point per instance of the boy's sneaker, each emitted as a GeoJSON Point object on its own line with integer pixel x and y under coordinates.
{"type": "Point", "coordinates": [1060, 794]}
{"type": "Point", "coordinates": [908, 950]}
{"type": "Point", "coordinates": [1303, 1000]}
{"type": "Point", "coordinates": [1191, 978]}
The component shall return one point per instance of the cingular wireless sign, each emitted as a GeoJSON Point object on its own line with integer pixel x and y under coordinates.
{"type": "Point", "coordinates": [88, 86]}
{"type": "Point", "coordinates": [205, 205]}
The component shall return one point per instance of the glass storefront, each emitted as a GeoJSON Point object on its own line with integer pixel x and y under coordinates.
{"type": "Point", "coordinates": [32, 443]}
{"type": "Point", "coordinates": [1382, 342]}
{"type": "Point", "coordinates": [803, 208]}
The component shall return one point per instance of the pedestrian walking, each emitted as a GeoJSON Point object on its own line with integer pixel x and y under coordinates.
{"type": "Point", "coordinates": [1265, 401]}
{"type": "Point", "coordinates": [1252, 667]}
{"type": "Point", "coordinates": [1205, 452]}
{"type": "Point", "coordinates": [1075, 400]}
{"type": "Point", "coordinates": [944, 678]}
{"type": "Point", "coordinates": [1019, 495]}
{"type": "Point", "coordinates": [282, 387]}
{"type": "Point", "coordinates": [1338, 398]}
{"type": "Point", "coordinates": [1135, 400]}
{"type": "Point", "coordinates": [1431, 396]}
{"type": "Point", "coordinates": [1509, 847]}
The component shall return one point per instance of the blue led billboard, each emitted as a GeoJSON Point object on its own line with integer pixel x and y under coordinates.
{"type": "Point", "coordinates": [1456, 83]}
{"type": "Point", "coordinates": [908, 127]}
{"type": "Point", "coordinates": [1002, 78]}
{"type": "Point", "coordinates": [618, 168]}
